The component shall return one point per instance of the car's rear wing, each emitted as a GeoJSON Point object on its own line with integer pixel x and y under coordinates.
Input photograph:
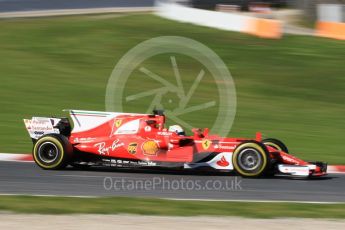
{"type": "Point", "coordinates": [39, 126]}
{"type": "Point", "coordinates": [81, 120]}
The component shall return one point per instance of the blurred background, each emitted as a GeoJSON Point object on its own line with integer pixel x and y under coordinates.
{"type": "Point", "coordinates": [286, 58]}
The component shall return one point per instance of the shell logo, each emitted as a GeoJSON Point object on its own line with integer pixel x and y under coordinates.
{"type": "Point", "coordinates": [150, 148]}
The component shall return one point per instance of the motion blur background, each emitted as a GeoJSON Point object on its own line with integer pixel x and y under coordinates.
{"type": "Point", "coordinates": [286, 58]}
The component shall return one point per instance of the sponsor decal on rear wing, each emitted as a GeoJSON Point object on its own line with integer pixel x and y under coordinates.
{"type": "Point", "coordinates": [39, 126]}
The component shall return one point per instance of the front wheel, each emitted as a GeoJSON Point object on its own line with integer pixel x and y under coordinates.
{"type": "Point", "coordinates": [276, 144]}
{"type": "Point", "coordinates": [52, 151]}
{"type": "Point", "coordinates": [251, 159]}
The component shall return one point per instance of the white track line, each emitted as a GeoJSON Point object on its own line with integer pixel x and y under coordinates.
{"type": "Point", "coordinates": [256, 201]}
{"type": "Point", "coordinates": [48, 195]}
{"type": "Point", "coordinates": [44, 13]}
{"type": "Point", "coordinates": [181, 199]}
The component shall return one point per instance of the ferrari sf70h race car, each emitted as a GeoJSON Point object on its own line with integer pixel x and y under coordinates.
{"type": "Point", "coordinates": [139, 140]}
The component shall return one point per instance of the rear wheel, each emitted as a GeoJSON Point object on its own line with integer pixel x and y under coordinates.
{"type": "Point", "coordinates": [275, 143]}
{"type": "Point", "coordinates": [52, 151]}
{"type": "Point", "coordinates": [251, 159]}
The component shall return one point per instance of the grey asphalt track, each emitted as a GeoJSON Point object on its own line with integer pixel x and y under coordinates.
{"type": "Point", "coordinates": [27, 178]}
{"type": "Point", "coordinates": [31, 5]}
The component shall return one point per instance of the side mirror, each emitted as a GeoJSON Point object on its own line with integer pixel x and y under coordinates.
{"type": "Point", "coordinates": [258, 136]}
{"type": "Point", "coordinates": [198, 133]}
{"type": "Point", "coordinates": [158, 112]}
{"type": "Point", "coordinates": [206, 130]}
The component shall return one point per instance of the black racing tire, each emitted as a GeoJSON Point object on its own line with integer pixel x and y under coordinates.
{"type": "Point", "coordinates": [251, 159]}
{"type": "Point", "coordinates": [52, 151]}
{"type": "Point", "coordinates": [275, 143]}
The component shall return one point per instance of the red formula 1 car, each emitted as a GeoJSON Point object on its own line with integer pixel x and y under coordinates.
{"type": "Point", "coordinates": [138, 140]}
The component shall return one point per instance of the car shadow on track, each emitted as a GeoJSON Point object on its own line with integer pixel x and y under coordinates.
{"type": "Point", "coordinates": [163, 171]}
{"type": "Point", "coordinates": [189, 172]}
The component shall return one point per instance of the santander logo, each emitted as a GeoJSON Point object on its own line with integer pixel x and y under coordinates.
{"type": "Point", "coordinates": [223, 162]}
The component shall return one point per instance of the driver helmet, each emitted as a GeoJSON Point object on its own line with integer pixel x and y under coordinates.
{"type": "Point", "coordinates": [177, 129]}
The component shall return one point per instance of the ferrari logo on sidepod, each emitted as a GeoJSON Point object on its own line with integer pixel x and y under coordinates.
{"type": "Point", "coordinates": [206, 144]}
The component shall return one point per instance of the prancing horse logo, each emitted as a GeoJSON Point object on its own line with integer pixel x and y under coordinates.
{"type": "Point", "coordinates": [206, 144]}
{"type": "Point", "coordinates": [118, 123]}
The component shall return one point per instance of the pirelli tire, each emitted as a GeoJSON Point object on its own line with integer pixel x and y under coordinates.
{"type": "Point", "coordinates": [275, 143]}
{"type": "Point", "coordinates": [52, 151]}
{"type": "Point", "coordinates": [251, 159]}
